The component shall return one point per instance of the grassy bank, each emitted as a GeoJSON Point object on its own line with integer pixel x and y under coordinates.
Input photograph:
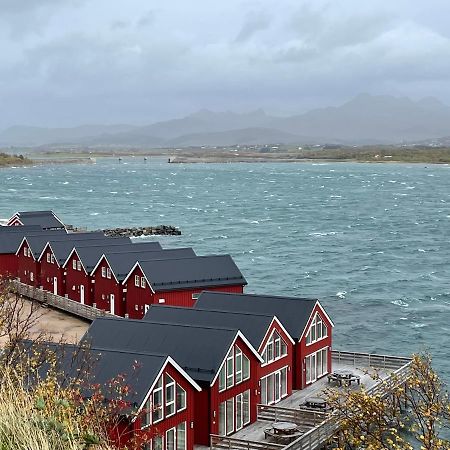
{"type": "Point", "coordinates": [13, 160]}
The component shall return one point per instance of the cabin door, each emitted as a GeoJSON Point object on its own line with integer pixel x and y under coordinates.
{"type": "Point", "coordinates": [55, 285]}
{"type": "Point", "coordinates": [112, 305]}
{"type": "Point", "coordinates": [82, 294]}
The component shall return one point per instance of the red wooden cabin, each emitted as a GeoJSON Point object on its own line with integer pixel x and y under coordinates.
{"type": "Point", "coordinates": [81, 262]}
{"type": "Point", "coordinates": [47, 220]}
{"type": "Point", "coordinates": [304, 319]}
{"type": "Point", "coordinates": [222, 361]}
{"type": "Point", "coordinates": [160, 406]}
{"type": "Point", "coordinates": [113, 267]}
{"type": "Point", "coordinates": [10, 239]}
{"type": "Point", "coordinates": [265, 333]}
{"type": "Point", "coordinates": [178, 282]}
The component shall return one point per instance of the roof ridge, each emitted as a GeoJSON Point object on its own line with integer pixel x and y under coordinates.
{"type": "Point", "coordinates": [262, 295]}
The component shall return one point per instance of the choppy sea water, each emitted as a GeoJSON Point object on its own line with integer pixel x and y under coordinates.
{"type": "Point", "coordinates": [372, 241]}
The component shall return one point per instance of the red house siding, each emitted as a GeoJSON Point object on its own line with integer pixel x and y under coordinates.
{"type": "Point", "coordinates": [14, 222]}
{"type": "Point", "coordinates": [138, 297]}
{"type": "Point", "coordinates": [50, 271]}
{"type": "Point", "coordinates": [104, 287]}
{"type": "Point", "coordinates": [8, 265]}
{"type": "Point", "coordinates": [302, 350]}
{"type": "Point", "coordinates": [75, 279]}
{"type": "Point", "coordinates": [288, 360]}
{"type": "Point", "coordinates": [28, 269]}
{"type": "Point", "coordinates": [187, 415]}
{"type": "Point", "coordinates": [251, 384]}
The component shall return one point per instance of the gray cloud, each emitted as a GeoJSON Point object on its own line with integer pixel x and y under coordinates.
{"type": "Point", "coordinates": [75, 61]}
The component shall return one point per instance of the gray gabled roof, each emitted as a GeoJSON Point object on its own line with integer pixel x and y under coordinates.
{"type": "Point", "coordinates": [90, 255]}
{"type": "Point", "coordinates": [45, 219]}
{"type": "Point", "coordinates": [9, 242]}
{"type": "Point", "coordinates": [62, 249]}
{"type": "Point", "coordinates": [122, 262]}
{"type": "Point", "coordinates": [293, 312]}
{"type": "Point", "coordinates": [191, 273]}
{"type": "Point", "coordinates": [24, 229]}
{"type": "Point", "coordinates": [253, 326]}
{"type": "Point", "coordinates": [200, 351]}
{"type": "Point", "coordinates": [37, 243]}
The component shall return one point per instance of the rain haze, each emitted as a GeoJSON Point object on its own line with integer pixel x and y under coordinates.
{"type": "Point", "coordinates": [72, 62]}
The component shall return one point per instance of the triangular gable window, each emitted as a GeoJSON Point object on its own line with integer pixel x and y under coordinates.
{"type": "Point", "coordinates": [317, 330]}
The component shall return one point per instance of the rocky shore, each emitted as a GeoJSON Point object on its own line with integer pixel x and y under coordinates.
{"type": "Point", "coordinates": [161, 230]}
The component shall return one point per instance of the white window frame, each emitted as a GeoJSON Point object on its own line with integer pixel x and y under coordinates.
{"type": "Point", "coordinates": [174, 431]}
{"type": "Point", "coordinates": [103, 272]}
{"type": "Point", "coordinates": [196, 296]}
{"type": "Point", "coordinates": [170, 385]}
{"type": "Point", "coordinates": [52, 259]}
{"type": "Point", "coordinates": [74, 264]}
{"type": "Point", "coordinates": [182, 425]}
{"type": "Point", "coordinates": [238, 363]}
{"type": "Point", "coordinates": [143, 283]}
{"type": "Point", "coordinates": [108, 273]}
{"type": "Point", "coordinates": [184, 396]}
{"type": "Point", "coordinates": [311, 375]}
{"type": "Point", "coordinates": [274, 340]}
{"type": "Point", "coordinates": [79, 265]}
{"type": "Point", "coordinates": [137, 280]}
{"type": "Point", "coordinates": [25, 252]}
{"type": "Point", "coordinates": [230, 372]}
{"type": "Point", "coordinates": [161, 405]}
{"type": "Point", "coordinates": [273, 376]}
{"type": "Point", "coordinates": [48, 257]}
{"type": "Point", "coordinates": [317, 331]}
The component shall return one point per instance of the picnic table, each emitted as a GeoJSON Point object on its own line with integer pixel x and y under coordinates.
{"type": "Point", "coordinates": [315, 403]}
{"type": "Point", "coordinates": [344, 377]}
{"type": "Point", "coordinates": [283, 432]}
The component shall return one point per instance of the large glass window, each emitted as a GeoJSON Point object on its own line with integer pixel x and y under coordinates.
{"type": "Point", "coordinates": [238, 357]}
{"type": "Point", "coordinates": [222, 378]}
{"type": "Point", "coordinates": [274, 386]}
{"type": "Point", "coordinates": [230, 415]}
{"type": "Point", "coordinates": [246, 407]}
{"type": "Point", "coordinates": [158, 402]}
{"type": "Point", "coordinates": [239, 412]}
{"type": "Point", "coordinates": [181, 398]}
{"type": "Point", "coordinates": [170, 396]}
{"type": "Point", "coordinates": [317, 330]}
{"type": "Point", "coordinates": [245, 368]}
{"type": "Point", "coordinates": [158, 443]}
{"type": "Point", "coordinates": [275, 348]}
{"type": "Point", "coordinates": [170, 439]}
{"type": "Point", "coordinates": [181, 436]}
{"type": "Point", "coordinates": [222, 419]}
{"type": "Point", "coordinates": [230, 369]}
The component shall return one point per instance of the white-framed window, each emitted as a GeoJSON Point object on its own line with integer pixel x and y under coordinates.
{"type": "Point", "coordinates": [146, 308]}
{"type": "Point", "coordinates": [142, 282]}
{"type": "Point", "coordinates": [242, 409]}
{"type": "Point", "coordinates": [317, 330]}
{"type": "Point", "coordinates": [79, 265]}
{"type": "Point", "coordinates": [29, 252]}
{"type": "Point", "coordinates": [158, 442]}
{"type": "Point", "coordinates": [74, 264]}
{"type": "Point", "coordinates": [31, 276]}
{"type": "Point", "coordinates": [274, 386]}
{"type": "Point", "coordinates": [275, 348]}
{"type": "Point", "coordinates": [234, 370]}
{"type": "Point", "coordinates": [52, 259]}
{"type": "Point", "coordinates": [230, 415]}
{"type": "Point", "coordinates": [162, 300]}
{"type": "Point", "coordinates": [137, 279]}
{"type": "Point", "coordinates": [103, 272]}
{"type": "Point", "coordinates": [181, 398]}
{"type": "Point", "coordinates": [238, 365]}
{"type": "Point", "coordinates": [195, 296]}
{"type": "Point", "coordinates": [158, 402]}
{"type": "Point", "coordinates": [170, 396]}
{"type": "Point", "coordinates": [181, 436]}
{"type": "Point", "coordinates": [25, 252]}
{"type": "Point", "coordinates": [316, 365]}
{"type": "Point", "coordinates": [230, 369]}
{"type": "Point", "coordinates": [48, 257]}
{"type": "Point", "coordinates": [170, 439]}
{"type": "Point", "coordinates": [108, 273]}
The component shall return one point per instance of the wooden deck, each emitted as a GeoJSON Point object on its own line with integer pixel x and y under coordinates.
{"type": "Point", "coordinates": [321, 427]}
{"type": "Point", "coordinates": [56, 301]}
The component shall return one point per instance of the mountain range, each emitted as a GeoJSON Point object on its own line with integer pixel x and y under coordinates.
{"type": "Point", "coordinates": [365, 119]}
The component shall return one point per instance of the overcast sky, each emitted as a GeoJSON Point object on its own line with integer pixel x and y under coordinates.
{"type": "Point", "coordinates": [70, 62]}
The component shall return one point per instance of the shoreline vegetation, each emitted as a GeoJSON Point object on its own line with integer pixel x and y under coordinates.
{"type": "Point", "coordinates": [248, 154]}
{"type": "Point", "coordinates": [7, 160]}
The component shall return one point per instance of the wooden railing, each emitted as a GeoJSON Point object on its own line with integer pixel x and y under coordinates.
{"type": "Point", "coordinates": [56, 301]}
{"type": "Point", "coordinates": [228, 443]}
{"type": "Point", "coordinates": [367, 360]}
{"type": "Point", "coordinates": [318, 436]}
{"type": "Point", "coordinates": [307, 418]}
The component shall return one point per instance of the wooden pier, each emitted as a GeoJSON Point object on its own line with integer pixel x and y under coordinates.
{"type": "Point", "coordinates": [65, 304]}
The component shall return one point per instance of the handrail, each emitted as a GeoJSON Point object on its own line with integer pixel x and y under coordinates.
{"type": "Point", "coordinates": [227, 442]}
{"type": "Point", "coordinates": [57, 301]}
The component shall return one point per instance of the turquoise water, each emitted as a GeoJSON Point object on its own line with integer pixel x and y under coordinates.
{"type": "Point", "coordinates": [372, 241]}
